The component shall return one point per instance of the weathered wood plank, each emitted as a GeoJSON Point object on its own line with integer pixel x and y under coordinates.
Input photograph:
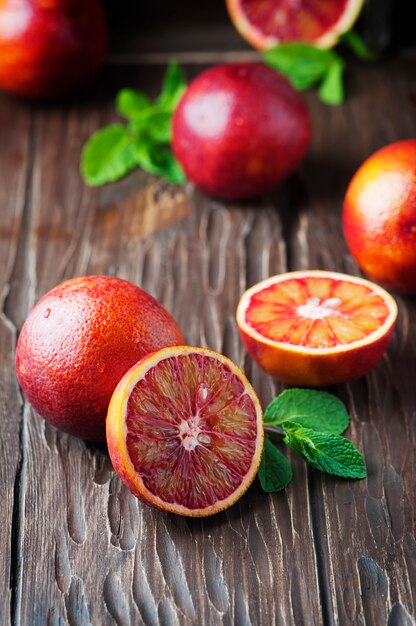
{"type": "Point", "coordinates": [15, 125]}
{"type": "Point", "coordinates": [105, 557]}
{"type": "Point", "coordinates": [365, 531]}
{"type": "Point", "coordinates": [325, 551]}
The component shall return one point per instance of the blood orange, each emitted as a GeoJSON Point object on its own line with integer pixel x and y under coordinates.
{"type": "Point", "coordinates": [379, 216]}
{"type": "Point", "coordinates": [185, 431]}
{"type": "Point", "coordinates": [316, 328]}
{"type": "Point", "coordinates": [77, 343]}
{"type": "Point", "coordinates": [266, 23]}
{"type": "Point", "coordinates": [233, 144]}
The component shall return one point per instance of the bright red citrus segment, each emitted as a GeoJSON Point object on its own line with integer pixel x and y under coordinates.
{"type": "Point", "coordinates": [316, 312]}
{"type": "Point", "coordinates": [293, 21]}
{"type": "Point", "coordinates": [191, 430]}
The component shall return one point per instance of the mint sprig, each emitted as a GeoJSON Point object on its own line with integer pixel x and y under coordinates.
{"type": "Point", "coordinates": [143, 141]}
{"type": "Point", "coordinates": [310, 422]}
{"type": "Point", "coordinates": [275, 472]}
{"type": "Point", "coordinates": [306, 65]}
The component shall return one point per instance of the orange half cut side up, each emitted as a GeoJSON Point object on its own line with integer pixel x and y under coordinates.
{"type": "Point", "coordinates": [316, 328]}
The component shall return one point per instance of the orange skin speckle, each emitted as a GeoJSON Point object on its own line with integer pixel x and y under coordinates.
{"type": "Point", "coordinates": [79, 341]}
{"type": "Point", "coordinates": [50, 47]}
{"type": "Point", "coordinates": [379, 216]}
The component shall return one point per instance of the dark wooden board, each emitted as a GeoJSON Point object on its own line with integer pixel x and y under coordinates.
{"type": "Point", "coordinates": [77, 546]}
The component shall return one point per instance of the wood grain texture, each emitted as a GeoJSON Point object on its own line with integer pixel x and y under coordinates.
{"type": "Point", "coordinates": [81, 549]}
{"type": "Point", "coordinates": [15, 123]}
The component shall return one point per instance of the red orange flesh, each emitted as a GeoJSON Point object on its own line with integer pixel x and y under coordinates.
{"type": "Point", "coordinates": [316, 328]}
{"type": "Point", "coordinates": [266, 23]}
{"type": "Point", "coordinates": [185, 431]}
{"type": "Point", "coordinates": [379, 216]}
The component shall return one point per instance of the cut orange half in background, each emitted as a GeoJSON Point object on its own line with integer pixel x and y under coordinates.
{"type": "Point", "coordinates": [316, 328]}
{"type": "Point", "coordinates": [185, 431]}
{"type": "Point", "coordinates": [266, 23]}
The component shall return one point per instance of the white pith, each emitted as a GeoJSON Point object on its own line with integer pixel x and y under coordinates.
{"type": "Point", "coordinates": [370, 338]}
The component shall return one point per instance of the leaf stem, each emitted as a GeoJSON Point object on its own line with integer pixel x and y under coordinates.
{"type": "Point", "coordinates": [275, 432]}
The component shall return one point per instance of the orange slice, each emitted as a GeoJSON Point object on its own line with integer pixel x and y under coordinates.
{"type": "Point", "coordinates": [266, 23]}
{"type": "Point", "coordinates": [316, 328]}
{"type": "Point", "coordinates": [185, 431]}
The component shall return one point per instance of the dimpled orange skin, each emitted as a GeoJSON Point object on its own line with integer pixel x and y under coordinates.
{"type": "Point", "coordinates": [79, 341]}
{"type": "Point", "coordinates": [379, 216]}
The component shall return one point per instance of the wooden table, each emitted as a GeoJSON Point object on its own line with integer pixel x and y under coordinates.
{"type": "Point", "coordinates": [76, 547]}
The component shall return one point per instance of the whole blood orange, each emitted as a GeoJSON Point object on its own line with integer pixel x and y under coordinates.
{"type": "Point", "coordinates": [50, 47]}
{"type": "Point", "coordinates": [266, 23]}
{"type": "Point", "coordinates": [379, 216]}
{"type": "Point", "coordinates": [79, 341]}
{"type": "Point", "coordinates": [239, 130]}
{"type": "Point", "coordinates": [185, 431]}
{"type": "Point", "coordinates": [316, 328]}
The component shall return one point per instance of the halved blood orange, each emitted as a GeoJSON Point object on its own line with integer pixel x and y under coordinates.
{"type": "Point", "coordinates": [316, 328]}
{"type": "Point", "coordinates": [266, 23]}
{"type": "Point", "coordinates": [185, 431]}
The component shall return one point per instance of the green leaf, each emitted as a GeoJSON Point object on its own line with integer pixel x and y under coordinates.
{"type": "Point", "coordinates": [353, 40]}
{"type": "Point", "coordinates": [173, 86]}
{"type": "Point", "coordinates": [274, 472]}
{"type": "Point", "coordinates": [160, 161]}
{"type": "Point", "coordinates": [130, 102]}
{"type": "Point", "coordinates": [310, 408]}
{"type": "Point", "coordinates": [302, 63]}
{"type": "Point", "coordinates": [331, 90]}
{"type": "Point", "coordinates": [327, 452]}
{"type": "Point", "coordinates": [107, 156]}
{"type": "Point", "coordinates": [154, 123]}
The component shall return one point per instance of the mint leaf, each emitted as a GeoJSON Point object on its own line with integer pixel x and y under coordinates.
{"type": "Point", "coordinates": [331, 90]}
{"type": "Point", "coordinates": [303, 64]}
{"type": "Point", "coordinates": [173, 86]}
{"type": "Point", "coordinates": [113, 151]}
{"type": "Point", "coordinates": [310, 408]}
{"type": "Point", "coordinates": [327, 452]}
{"type": "Point", "coordinates": [154, 123]}
{"type": "Point", "coordinates": [130, 102]}
{"type": "Point", "coordinates": [274, 472]}
{"type": "Point", "coordinates": [107, 156]}
{"type": "Point", "coordinates": [160, 161]}
{"type": "Point", "coordinates": [353, 41]}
